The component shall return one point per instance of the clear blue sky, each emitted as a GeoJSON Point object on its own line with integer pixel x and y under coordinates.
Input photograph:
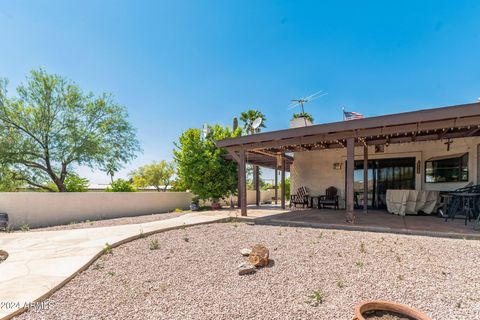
{"type": "Point", "coordinates": [179, 64]}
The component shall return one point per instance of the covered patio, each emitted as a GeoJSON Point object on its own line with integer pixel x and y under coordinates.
{"type": "Point", "coordinates": [374, 221]}
{"type": "Point", "coordinates": [282, 150]}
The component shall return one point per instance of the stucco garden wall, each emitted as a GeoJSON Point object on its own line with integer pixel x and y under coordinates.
{"type": "Point", "coordinates": [315, 169]}
{"type": "Point", "coordinates": [44, 208]}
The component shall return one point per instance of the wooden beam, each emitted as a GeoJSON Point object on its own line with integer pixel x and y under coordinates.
{"type": "Point", "coordinates": [243, 183]}
{"type": "Point", "coordinates": [365, 178]}
{"type": "Point", "coordinates": [276, 183]}
{"type": "Point", "coordinates": [350, 180]}
{"type": "Point", "coordinates": [234, 155]}
{"type": "Point", "coordinates": [283, 195]}
{"type": "Point", "coordinates": [256, 170]}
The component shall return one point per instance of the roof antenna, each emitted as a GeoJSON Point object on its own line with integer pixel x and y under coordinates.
{"type": "Point", "coordinates": [301, 101]}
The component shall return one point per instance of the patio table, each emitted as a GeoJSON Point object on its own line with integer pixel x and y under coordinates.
{"type": "Point", "coordinates": [468, 201]}
{"type": "Point", "coordinates": [404, 202]}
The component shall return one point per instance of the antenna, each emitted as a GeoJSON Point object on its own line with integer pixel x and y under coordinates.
{"type": "Point", "coordinates": [256, 123]}
{"type": "Point", "coordinates": [301, 101]}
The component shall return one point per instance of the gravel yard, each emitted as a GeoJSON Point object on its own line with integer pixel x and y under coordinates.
{"type": "Point", "coordinates": [315, 274]}
{"type": "Point", "coordinates": [111, 222]}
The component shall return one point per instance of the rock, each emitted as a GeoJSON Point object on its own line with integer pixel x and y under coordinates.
{"type": "Point", "coordinates": [259, 256]}
{"type": "Point", "coordinates": [246, 268]}
{"type": "Point", "coordinates": [245, 252]}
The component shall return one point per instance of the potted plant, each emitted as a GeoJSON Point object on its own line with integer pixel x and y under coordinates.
{"type": "Point", "coordinates": [301, 119]}
{"type": "Point", "coordinates": [216, 204]}
{"type": "Point", "coordinates": [376, 309]}
{"type": "Point", "coordinates": [194, 205]}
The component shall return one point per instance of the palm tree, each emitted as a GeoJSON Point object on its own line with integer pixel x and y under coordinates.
{"type": "Point", "coordinates": [248, 117]}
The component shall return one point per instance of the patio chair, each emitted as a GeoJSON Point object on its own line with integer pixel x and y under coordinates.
{"type": "Point", "coordinates": [301, 197]}
{"type": "Point", "coordinates": [329, 199]}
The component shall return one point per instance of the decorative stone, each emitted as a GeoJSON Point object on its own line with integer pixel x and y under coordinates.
{"type": "Point", "coordinates": [259, 256]}
{"type": "Point", "coordinates": [246, 268]}
{"type": "Point", "coordinates": [245, 252]}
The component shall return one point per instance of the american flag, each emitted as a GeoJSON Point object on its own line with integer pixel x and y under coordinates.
{"type": "Point", "coordinates": [350, 115]}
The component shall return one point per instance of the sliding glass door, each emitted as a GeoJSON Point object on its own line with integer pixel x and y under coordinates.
{"type": "Point", "coordinates": [383, 174]}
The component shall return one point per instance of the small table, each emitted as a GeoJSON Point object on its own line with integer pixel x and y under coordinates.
{"type": "Point", "coordinates": [467, 199]}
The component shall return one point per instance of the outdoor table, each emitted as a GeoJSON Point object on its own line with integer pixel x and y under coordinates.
{"type": "Point", "coordinates": [467, 199]}
{"type": "Point", "coordinates": [404, 202]}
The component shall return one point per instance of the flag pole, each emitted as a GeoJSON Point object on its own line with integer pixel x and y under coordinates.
{"type": "Point", "coordinates": [343, 113]}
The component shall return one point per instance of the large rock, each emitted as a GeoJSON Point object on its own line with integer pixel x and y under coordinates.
{"type": "Point", "coordinates": [259, 256]}
{"type": "Point", "coordinates": [246, 268]}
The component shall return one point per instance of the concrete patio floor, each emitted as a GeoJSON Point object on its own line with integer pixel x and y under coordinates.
{"type": "Point", "coordinates": [374, 221]}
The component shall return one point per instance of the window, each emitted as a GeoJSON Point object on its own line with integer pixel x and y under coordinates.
{"type": "Point", "coordinates": [447, 169]}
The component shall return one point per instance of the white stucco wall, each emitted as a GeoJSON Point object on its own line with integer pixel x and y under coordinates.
{"type": "Point", "coordinates": [45, 209]}
{"type": "Point", "coordinates": [314, 169]}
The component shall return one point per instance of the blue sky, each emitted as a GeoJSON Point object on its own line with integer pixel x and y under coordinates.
{"type": "Point", "coordinates": [179, 64]}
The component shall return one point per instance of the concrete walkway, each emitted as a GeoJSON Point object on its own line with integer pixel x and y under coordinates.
{"type": "Point", "coordinates": [40, 262]}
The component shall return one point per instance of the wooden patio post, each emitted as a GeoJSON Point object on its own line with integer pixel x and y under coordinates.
{"type": "Point", "coordinates": [257, 185]}
{"type": "Point", "coordinates": [350, 179]}
{"type": "Point", "coordinates": [239, 186]}
{"type": "Point", "coordinates": [276, 183]}
{"type": "Point", "coordinates": [243, 183]}
{"type": "Point", "coordinates": [283, 183]}
{"type": "Point", "coordinates": [365, 178]}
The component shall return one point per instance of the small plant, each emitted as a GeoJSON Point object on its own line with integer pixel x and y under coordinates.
{"type": "Point", "coordinates": [111, 273]}
{"type": "Point", "coordinates": [339, 254]}
{"type": "Point", "coordinates": [400, 277]}
{"type": "Point", "coordinates": [362, 248]}
{"type": "Point", "coordinates": [107, 249]}
{"type": "Point", "coordinates": [142, 235]}
{"type": "Point", "coordinates": [397, 257]}
{"type": "Point", "coordinates": [186, 239]}
{"type": "Point", "coordinates": [154, 244]}
{"type": "Point", "coordinates": [25, 227]}
{"type": "Point", "coordinates": [458, 305]}
{"type": "Point", "coordinates": [316, 298]}
{"type": "Point", "coordinates": [8, 229]}
{"type": "Point", "coordinates": [72, 222]}
{"type": "Point", "coordinates": [177, 210]}
{"type": "Point", "coordinates": [340, 284]}
{"type": "Point", "coordinates": [359, 264]}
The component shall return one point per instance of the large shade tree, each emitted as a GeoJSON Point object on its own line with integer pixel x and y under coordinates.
{"type": "Point", "coordinates": [201, 166]}
{"type": "Point", "coordinates": [51, 125]}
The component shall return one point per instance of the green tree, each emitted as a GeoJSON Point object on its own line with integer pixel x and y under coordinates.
{"type": "Point", "coordinates": [52, 125]}
{"type": "Point", "coordinates": [201, 166]}
{"type": "Point", "coordinates": [121, 185]}
{"type": "Point", "coordinates": [157, 174]}
{"type": "Point", "coordinates": [248, 117]}
{"type": "Point", "coordinates": [8, 183]}
{"type": "Point", "coordinates": [74, 183]}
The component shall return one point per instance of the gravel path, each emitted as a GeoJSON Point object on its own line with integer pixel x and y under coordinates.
{"type": "Point", "coordinates": [111, 222]}
{"type": "Point", "coordinates": [192, 275]}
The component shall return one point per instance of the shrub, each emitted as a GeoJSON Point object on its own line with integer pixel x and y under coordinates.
{"type": "Point", "coordinates": [121, 185]}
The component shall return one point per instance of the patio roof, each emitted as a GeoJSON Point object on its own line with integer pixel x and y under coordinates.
{"type": "Point", "coordinates": [423, 125]}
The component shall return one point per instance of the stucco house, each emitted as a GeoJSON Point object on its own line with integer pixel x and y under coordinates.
{"type": "Point", "coordinates": [426, 150]}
